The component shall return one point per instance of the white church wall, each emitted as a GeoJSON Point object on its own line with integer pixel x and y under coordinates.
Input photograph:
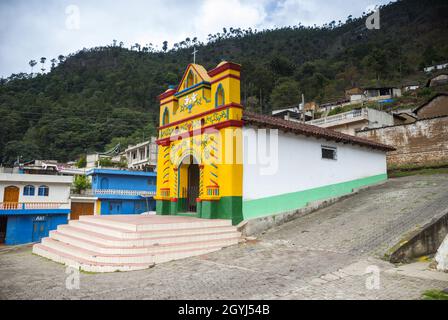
{"type": "Point", "coordinates": [300, 168]}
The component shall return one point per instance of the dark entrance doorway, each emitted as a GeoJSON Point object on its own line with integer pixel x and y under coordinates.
{"type": "Point", "coordinates": [193, 187]}
{"type": "Point", "coordinates": [3, 224]}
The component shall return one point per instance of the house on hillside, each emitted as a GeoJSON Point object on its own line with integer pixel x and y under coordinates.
{"type": "Point", "coordinates": [381, 93]}
{"type": "Point", "coordinates": [434, 107]}
{"type": "Point", "coordinates": [330, 105]}
{"type": "Point", "coordinates": [208, 145]}
{"type": "Point", "coordinates": [351, 121]}
{"type": "Point", "coordinates": [39, 167]}
{"type": "Point", "coordinates": [355, 94]}
{"type": "Point", "coordinates": [410, 86]}
{"type": "Point", "coordinates": [439, 66]}
{"type": "Point", "coordinates": [142, 156]}
{"type": "Point", "coordinates": [32, 205]}
{"type": "Point", "coordinates": [292, 114]}
{"type": "Point", "coordinates": [438, 80]}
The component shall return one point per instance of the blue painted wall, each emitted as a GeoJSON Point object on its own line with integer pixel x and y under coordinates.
{"type": "Point", "coordinates": [121, 206]}
{"type": "Point", "coordinates": [124, 180]}
{"type": "Point", "coordinates": [27, 228]}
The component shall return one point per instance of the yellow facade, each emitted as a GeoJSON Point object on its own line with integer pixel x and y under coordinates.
{"type": "Point", "coordinates": [199, 138]}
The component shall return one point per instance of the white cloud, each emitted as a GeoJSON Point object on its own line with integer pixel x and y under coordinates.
{"type": "Point", "coordinates": [213, 15]}
{"type": "Point", "coordinates": [30, 29]}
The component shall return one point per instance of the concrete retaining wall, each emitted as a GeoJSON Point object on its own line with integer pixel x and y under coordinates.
{"type": "Point", "coordinates": [421, 242]}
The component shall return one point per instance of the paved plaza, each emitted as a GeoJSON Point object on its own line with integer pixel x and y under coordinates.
{"type": "Point", "coordinates": [333, 253]}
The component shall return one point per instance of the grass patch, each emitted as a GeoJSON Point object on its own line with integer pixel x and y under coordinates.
{"type": "Point", "coordinates": [435, 295]}
{"type": "Point", "coordinates": [419, 171]}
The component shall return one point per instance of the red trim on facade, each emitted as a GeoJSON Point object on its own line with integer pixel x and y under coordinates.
{"type": "Point", "coordinates": [164, 188]}
{"type": "Point", "coordinates": [230, 105]}
{"type": "Point", "coordinates": [198, 199]}
{"type": "Point", "coordinates": [163, 143]}
{"type": "Point", "coordinates": [226, 76]}
{"type": "Point", "coordinates": [229, 123]}
{"type": "Point", "coordinates": [166, 102]}
{"type": "Point", "coordinates": [224, 67]}
{"type": "Point", "coordinates": [173, 199]}
{"type": "Point", "coordinates": [166, 94]}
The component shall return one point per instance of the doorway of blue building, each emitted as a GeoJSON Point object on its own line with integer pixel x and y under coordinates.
{"type": "Point", "coordinates": [115, 207]}
{"type": "Point", "coordinates": [39, 228]}
{"type": "Point", "coordinates": [3, 224]}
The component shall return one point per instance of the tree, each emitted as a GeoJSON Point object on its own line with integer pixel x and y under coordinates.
{"type": "Point", "coordinates": [165, 46]}
{"type": "Point", "coordinates": [253, 104]}
{"type": "Point", "coordinates": [82, 162]}
{"type": "Point", "coordinates": [281, 66]}
{"type": "Point", "coordinates": [32, 63]}
{"type": "Point", "coordinates": [81, 183]}
{"type": "Point", "coordinates": [53, 63]}
{"type": "Point", "coordinates": [285, 94]}
{"type": "Point", "coordinates": [42, 61]}
{"type": "Point", "coordinates": [61, 58]}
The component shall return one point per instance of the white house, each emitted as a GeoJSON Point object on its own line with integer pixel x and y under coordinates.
{"type": "Point", "coordinates": [142, 156]}
{"type": "Point", "coordinates": [32, 205]}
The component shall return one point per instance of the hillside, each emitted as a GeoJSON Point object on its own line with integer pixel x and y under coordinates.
{"type": "Point", "coordinates": [97, 97]}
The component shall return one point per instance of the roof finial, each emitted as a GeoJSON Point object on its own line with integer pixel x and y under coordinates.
{"type": "Point", "coordinates": [194, 55]}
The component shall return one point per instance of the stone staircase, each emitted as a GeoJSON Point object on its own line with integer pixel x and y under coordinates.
{"type": "Point", "coordinates": [134, 242]}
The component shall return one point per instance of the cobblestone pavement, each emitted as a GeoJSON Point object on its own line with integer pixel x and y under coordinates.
{"type": "Point", "coordinates": [324, 255]}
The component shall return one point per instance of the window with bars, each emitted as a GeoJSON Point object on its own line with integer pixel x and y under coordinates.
{"type": "Point", "coordinates": [329, 153]}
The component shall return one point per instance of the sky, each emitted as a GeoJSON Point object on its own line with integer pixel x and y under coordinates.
{"type": "Point", "coordinates": [30, 29]}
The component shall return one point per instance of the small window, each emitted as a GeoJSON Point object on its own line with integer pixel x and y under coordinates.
{"type": "Point", "coordinates": [190, 80]}
{"type": "Point", "coordinates": [219, 97]}
{"type": "Point", "coordinates": [43, 191]}
{"type": "Point", "coordinates": [329, 153]}
{"type": "Point", "coordinates": [28, 190]}
{"type": "Point", "coordinates": [166, 117]}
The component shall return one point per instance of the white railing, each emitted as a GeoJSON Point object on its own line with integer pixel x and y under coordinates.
{"type": "Point", "coordinates": [350, 115]}
{"type": "Point", "coordinates": [124, 192]}
{"type": "Point", "coordinates": [32, 205]}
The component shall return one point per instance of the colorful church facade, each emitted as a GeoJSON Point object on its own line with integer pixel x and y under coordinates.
{"type": "Point", "coordinates": [209, 160]}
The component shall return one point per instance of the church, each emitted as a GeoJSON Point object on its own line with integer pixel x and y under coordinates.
{"type": "Point", "coordinates": [217, 160]}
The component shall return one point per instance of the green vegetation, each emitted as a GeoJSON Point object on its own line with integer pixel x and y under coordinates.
{"type": "Point", "coordinates": [410, 170]}
{"type": "Point", "coordinates": [435, 295]}
{"type": "Point", "coordinates": [82, 162]}
{"type": "Point", "coordinates": [81, 183]}
{"type": "Point", "coordinates": [95, 98]}
{"type": "Point", "coordinates": [107, 162]}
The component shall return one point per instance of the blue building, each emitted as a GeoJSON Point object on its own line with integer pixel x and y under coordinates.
{"type": "Point", "coordinates": [122, 191]}
{"type": "Point", "coordinates": [32, 205]}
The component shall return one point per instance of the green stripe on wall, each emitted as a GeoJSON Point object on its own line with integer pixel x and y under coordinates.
{"type": "Point", "coordinates": [295, 200]}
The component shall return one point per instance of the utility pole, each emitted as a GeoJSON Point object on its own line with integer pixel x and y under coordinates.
{"type": "Point", "coordinates": [303, 108]}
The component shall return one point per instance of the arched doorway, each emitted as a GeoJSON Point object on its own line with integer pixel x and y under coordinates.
{"type": "Point", "coordinates": [11, 197]}
{"type": "Point", "coordinates": [193, 186]}
{"type": "Point", "coordinates": [188, 184]}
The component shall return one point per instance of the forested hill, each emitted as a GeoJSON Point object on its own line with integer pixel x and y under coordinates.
{"type": "Point", "coordinates": [97, 97]}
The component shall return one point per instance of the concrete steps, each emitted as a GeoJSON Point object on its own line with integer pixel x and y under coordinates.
{"type": "Point", "coordinates": [134, 242]}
